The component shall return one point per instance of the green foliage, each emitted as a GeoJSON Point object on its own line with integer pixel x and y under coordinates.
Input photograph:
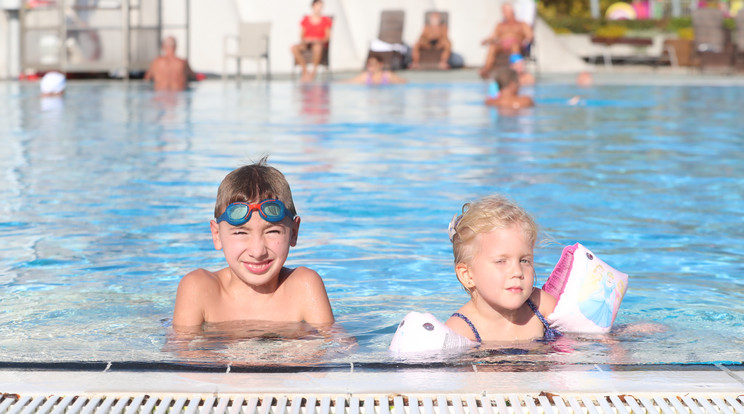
{"type": "Point", "coordinates": [611, 31]}
{"type": "Point", "coordinates": [686, 33]}
{"type": "Point", "coordinates": [568, 24]}
{"type": "Point", "coordinates": [729, 23]}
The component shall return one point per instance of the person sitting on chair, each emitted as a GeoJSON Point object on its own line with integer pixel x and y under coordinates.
{"type": "Point", "coordinates": [434, 37]}
{"type": "Point", "coordinates": [510, 36]}
{"type": "Point", "coordinates": [315, 33]}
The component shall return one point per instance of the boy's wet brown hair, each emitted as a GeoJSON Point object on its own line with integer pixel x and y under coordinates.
{"type": "Point", "coordinates": [251, 184]}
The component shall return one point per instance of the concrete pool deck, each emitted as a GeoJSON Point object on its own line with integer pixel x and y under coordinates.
{"type": "Point", "coordinates": [382, 379]}
{"type": "Point", "coordinates": [574, 389]}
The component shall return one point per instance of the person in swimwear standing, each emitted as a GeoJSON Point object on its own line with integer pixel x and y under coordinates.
{"type": "Point", "coordinates": [315, 33]}
{"type": "Point", "coordinates": [509, 37]}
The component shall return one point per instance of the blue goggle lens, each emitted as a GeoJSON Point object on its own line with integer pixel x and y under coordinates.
{"type": "Point", "coordinates": [239, 213]}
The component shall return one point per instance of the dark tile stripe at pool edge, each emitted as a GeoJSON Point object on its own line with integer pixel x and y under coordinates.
{"type": "Point", "coordinates": [507, 366]}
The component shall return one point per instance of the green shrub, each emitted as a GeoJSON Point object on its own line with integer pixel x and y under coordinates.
{"type": "Point", "coordinates": [569, 24]}
{"type": "Point", "coordinates": [611, 31]}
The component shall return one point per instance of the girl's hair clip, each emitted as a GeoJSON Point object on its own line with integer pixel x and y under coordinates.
{"type": "Point", "coordinates": [452, 229]}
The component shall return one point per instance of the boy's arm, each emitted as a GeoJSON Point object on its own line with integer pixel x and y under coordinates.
{"type": "Point", "coordinates": [317, 310]}
{"type": "Point", "coordinates": [189, 308]}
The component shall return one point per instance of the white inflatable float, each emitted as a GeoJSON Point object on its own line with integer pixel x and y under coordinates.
{"type": "Point", "coordinates": [589, 294]}
{"type": "Point", "coordinates": [422, 333]}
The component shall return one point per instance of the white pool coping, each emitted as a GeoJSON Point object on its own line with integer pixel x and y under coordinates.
{"type": "Point", "coordinates": [696, 380]}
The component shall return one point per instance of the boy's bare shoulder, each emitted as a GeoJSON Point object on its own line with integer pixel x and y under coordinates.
{"type": "Point", "coordinates": [200, 277]}
{"type": "Point", "coordinates": [195, 291]}
{"type": "Point", "coordinates": [305, 280]}
{"type": "Point", "coordinates": [199, 282]}
{"type": "Point", "coordinates": [307, 288]}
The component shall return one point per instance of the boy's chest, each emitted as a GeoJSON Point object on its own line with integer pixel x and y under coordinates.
{"type": "Point", "coordinates": [278, 308]}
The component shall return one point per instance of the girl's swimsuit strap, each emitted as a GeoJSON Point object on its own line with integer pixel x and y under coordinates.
{"type": "Point", "coordinates": [550, 333]}
{"type": "Point", "coordinates": [470, 324]}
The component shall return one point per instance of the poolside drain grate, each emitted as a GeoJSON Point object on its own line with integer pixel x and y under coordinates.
{"type": "Point", "coordinates": [544, 403]}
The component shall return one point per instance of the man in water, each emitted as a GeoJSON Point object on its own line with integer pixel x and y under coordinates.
{"type": "Point", "coordinates": [509, 37]}
{"type": "Point", "coordinates": [169, 72]}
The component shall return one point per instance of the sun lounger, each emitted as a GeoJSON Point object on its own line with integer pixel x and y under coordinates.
{"type": "Point", "coordinates": [712, 45]}
{"type": "Point", "coordinates": [739, 41]}
{"type": "Point", "coordinates": [389, 47]}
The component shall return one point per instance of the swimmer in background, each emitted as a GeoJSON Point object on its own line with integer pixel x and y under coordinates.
{"type": "Point", "coordinates": [510, 36]}
{"type": "Point", "coordinates": [433, 37]}
{"type": "Point", "coordinates": [508, 93]}
{"type": "Point", "coordinates": [376, 74]}
{"type": "Point", "coordinates": [255, 225]}
{"type": "Point", "coordinates": [493, 242]}
{"type": "Point", "coordinates": [53, 84]}
{"type": "Point", "coordinates": [583, 80]}
{"type": "Point", "coordinates": [52, 87]}
{"type": "Point", "coordinates": [169, 72]}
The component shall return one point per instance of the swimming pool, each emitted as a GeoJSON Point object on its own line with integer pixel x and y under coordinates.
{"type": "Point", "coordinates": [107, 197]}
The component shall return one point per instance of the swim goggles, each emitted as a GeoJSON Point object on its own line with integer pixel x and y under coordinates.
{"type": "Point", "coordinates": [239, 213]}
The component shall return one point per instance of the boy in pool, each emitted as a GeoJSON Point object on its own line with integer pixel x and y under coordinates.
{"type": "Point", "coordinates": [493, 242]}
{"type": "Point", "coordinates": [255, 225]}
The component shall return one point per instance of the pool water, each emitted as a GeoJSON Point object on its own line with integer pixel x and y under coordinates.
{"type": "Point", "coordinates": [107, 195]}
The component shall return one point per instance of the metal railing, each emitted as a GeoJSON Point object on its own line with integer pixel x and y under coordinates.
{"type": "Point", "coordinates": [119, 36]}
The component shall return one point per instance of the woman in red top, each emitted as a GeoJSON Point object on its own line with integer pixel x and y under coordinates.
{"type": "Point", "coordinates": [316, 30]}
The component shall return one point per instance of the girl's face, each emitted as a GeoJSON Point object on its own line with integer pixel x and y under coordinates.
{"type": "Point", "coordinates": [373, 65]}
{"type": "Point", "coordinates": [502, 272]}
{"type": "Point", "coordinates": [318, 8]}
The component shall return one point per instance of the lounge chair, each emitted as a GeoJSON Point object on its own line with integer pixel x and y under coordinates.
{"type": "Point", "coordinates": [739, 41]}
{"type": "Point", "coordinates": [389, 39]}
{"type": "Point", "coordinates": [712, 45]}
{"type": "Point", "coordinates": [252, 43]}
{"type": "Point", "coordinates": [430, 57]}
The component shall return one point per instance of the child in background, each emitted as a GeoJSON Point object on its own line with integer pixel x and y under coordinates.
{"type": "Point", "coordinates": [508, 96]}
{"type": "Point", "coordinates": [255, 225]}
{"type": "Point", "coordinates": [376, 74]}
{"type": "Point", "coordinates": [493, 242]}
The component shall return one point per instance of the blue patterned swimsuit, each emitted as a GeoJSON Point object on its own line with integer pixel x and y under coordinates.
{"type": "Point", "coordinates": [551, 334]}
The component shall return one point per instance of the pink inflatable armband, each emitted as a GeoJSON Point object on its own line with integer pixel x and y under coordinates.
{"type": "Point", "coordinates": [588, 290]}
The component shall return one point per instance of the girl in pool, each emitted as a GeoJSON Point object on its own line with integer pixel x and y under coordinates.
{"type": "Point", "coordinates": [376, 74]}
{"type": "Point", "coordinates": [493, 242]}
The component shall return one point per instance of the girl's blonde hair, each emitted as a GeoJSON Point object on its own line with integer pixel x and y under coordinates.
{"type": "Point", "coordinates": [482, 216]}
